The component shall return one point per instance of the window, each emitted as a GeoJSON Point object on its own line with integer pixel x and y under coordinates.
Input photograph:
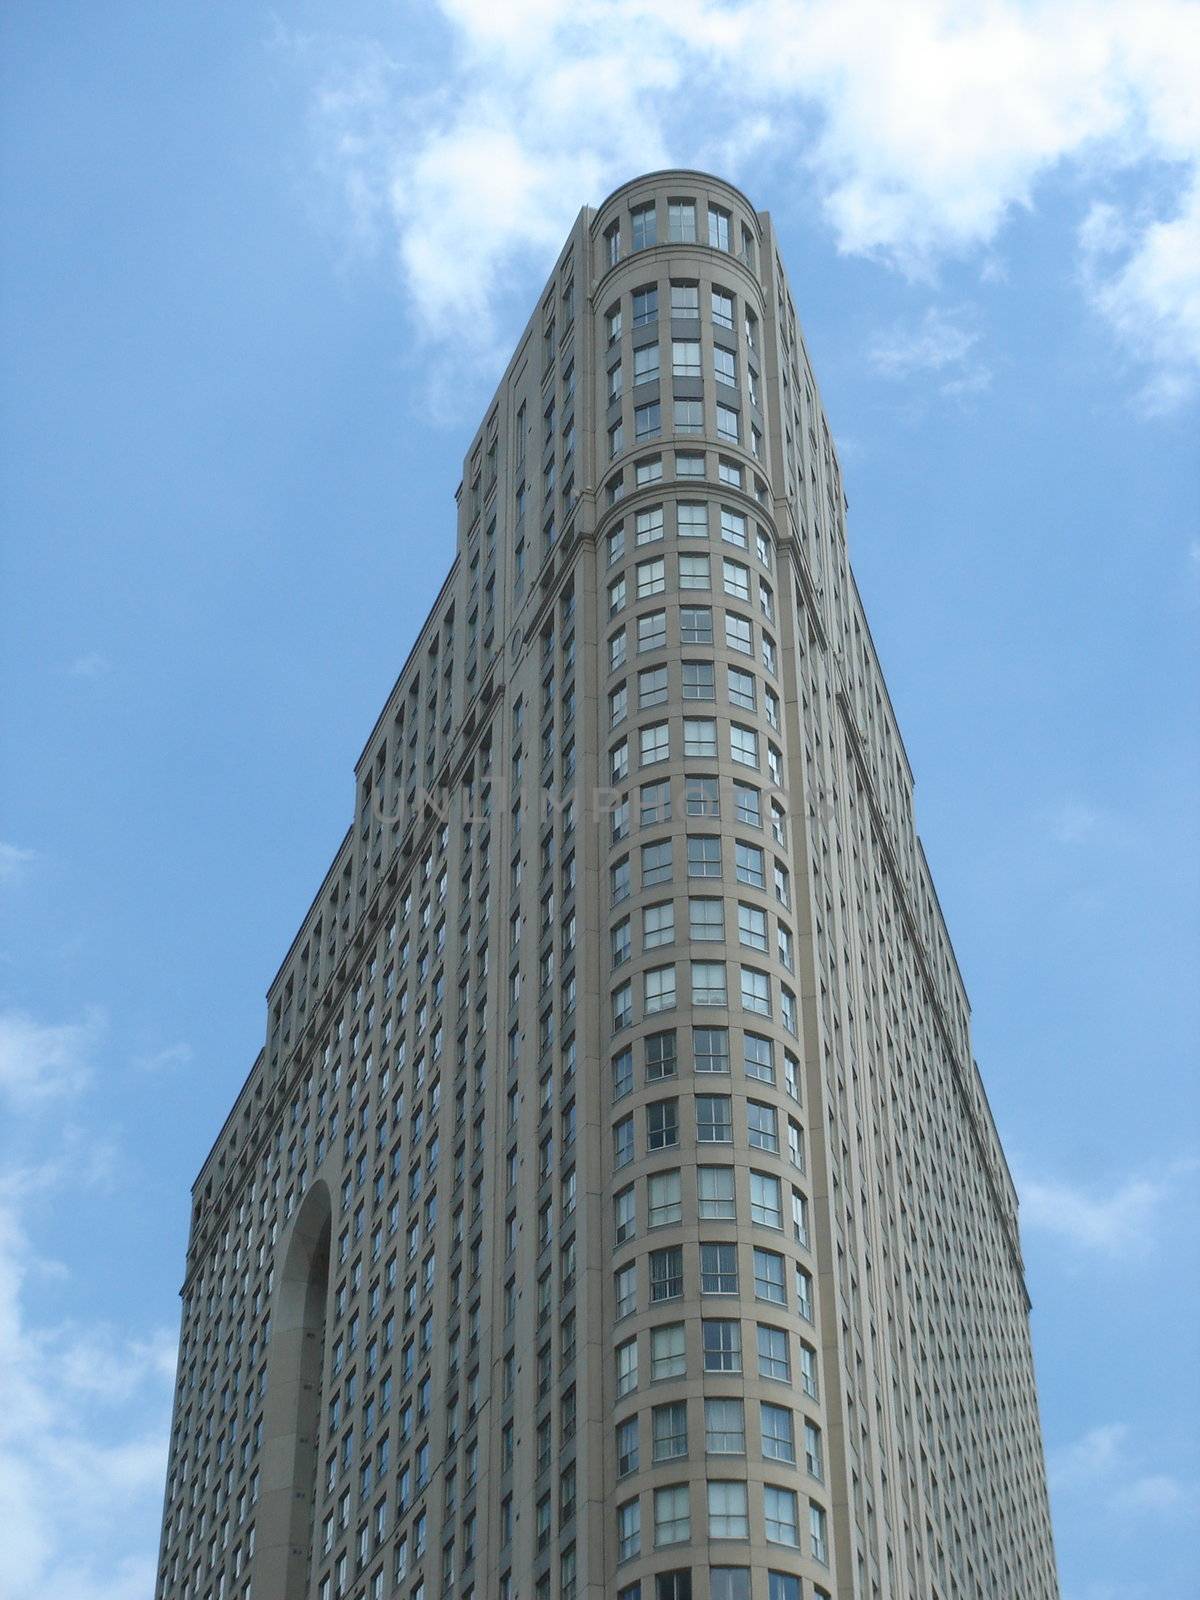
{"type": "Point", "coordinates": [672, 1517]}
{"type": "Point", "coordinates": [629, 1529]}
{"type": "Point", "coordinates": [702, 796]}
{"type": "Point", "coordinates": [758, 1053]}
{"type": "Point", "coordinates": [755, 991]}
{"type": "Point", "coordinates": [660, 1055]}
{"type": "Point", "coordinates": [616, 595]}
{"type": "Point", "coordinates": [695, 625]}
{"type": "Point", "coordinates": [612, 244]}
{"type": "Point", "coordinates": [766, 1202]}
{"type": "Point", "coordinates": [648, 470]}
{"type": "Point", "coordinates": [645, 305]}
{"type": "Point", "coordinates": [722, 1345]}
{"type": "Point", "coordinates": [612, 317]}
{"type": "Point", "coordinates": [728, 424]}
{"type": "Point", "coordinates": [741, 688]}
{"type": "Point", "coordinates": [780, 1517]}
{"type": "Point", "coordinates": [816, 1533]}
{"type": "Point", "coordinates": [718, 228]}
{"type": "Point", "coordinates": [648, 525]}
{"type": "Point", "coordinates": [616, 440]}
{"type": "Point", "coordinates": [645, 364]}
{"type": "Point", "coordinates": [685, 301]}
{"type": "Point", "coordinates": [710, 1049]}
{"type": "Point", "coordinates": [656, 863]}
{"type": "Point", "coordinates": [729, 472]}
{"type": "Point", "coordinates": [689, 416]}
{"type": "Point", "coordinates": [623, 1142]}
{"type": "Point", "coordinates": [708, 983]}
{"type": "Point", "coordinates": [724, 365]}
{"type": "Point", "coordinates": [768, 1277]}
{"type": "Point", "coordinates": [714, 1116]}
{"type": "Point", "coordinates": [628, 1453]}
{"type": "Point", "coordinates": [699, 677]}
{"type": "Point", "coordinates": [761, 1127]}
{"type": "Point", "coordinates": [619, 880]}
{"type": "Point", "coordinates": [658, 925]}
{"type": "Point", "coordinates": [668, 1427]}
{"type": "Point", "coordinates": [743, 745]}
{"type": "Point", "coordinates": [706, 920]}
{"type": "Point", "coordinates": [624, 1215]}
{"type": "Point", "coordinates": [622, 944]}
{"type": "Point", "coordinates": [615, 386]}
{"type": "Point", "coordinates": [681, 222]}
{"type": "Point", "coordinates": [643, 229]}
{"type": "Point", "coordinates": [704, 860]}
{"type": "Point", "coordinates": [796, 1144]}
{"type": "Point", "coordinates": [651, 578]}
{"type": "Point", "coordinates": [652, 630]}
{"type": "Point", "coordinates": [714, 1194]}
{"type": "Point", "coordinates": [699, 737]}
{"type": "Point", "coordinates": [685, 358]}
{"type": "Point", "coordinates": [688, 465]}
{"type": "Point", "coordinates": [748, 865]}
{"type": "Point", "coordinates": [808, 1370]}
{"type": "Point", "coordinates": [647, 420]}
{"type": "Point", "coordinates": [814, 1458]}
{"type": "Point", "coordinates": [724, 1428]}
{"type": "Point", "coordinates": [800, 1218]}
{"type": "Point", "coordinates": [738, 633]}
{"type": "Point", "coordinates": [668, 1358]}
{"type": "Point", "coordinates": [664, 1199]}
{"type": "Point", "coordinates": [662, 1124]}
{"type": "Point", "coordinates": [773, 1359]}
{"type": "Point", "coordinates": [733, 1583]}
{"type": "Point", "coordinates": [804, 1290]}
{"type": "Point", "coordinates": [735, 579]}
{"type": "Point", "coordinates": [655, 804]}
{"type": "Point", "coordinates": [675, 1585]}
{"type": "Point", "coordinates": [622, 1074]}
{"type": "Point", "coordinates": [747, 805]}
{"type": "Point", "coordinates": [625, 1290]}
{"type": "Point", "coordinates": [694, 573]}
{"type": "Point", "coordinates": [652, 687]}
{"type": "Point", "coordinates": [718, 1269]}
{"type": "Point", "coordinates": [666, 1274]}
{"type": "Point", "coordinates": [733, 528]}
{"type": "Point", "coordinates": [626, 1367]}
{"type": "Point", "coordinates": [616, 543]}
{"type": "Point", "coordinates": [692, 519]}
{"type": "Point", "coordinates": [728, 1516]}
{"type": "Point", "coordinates": [778, 1441]}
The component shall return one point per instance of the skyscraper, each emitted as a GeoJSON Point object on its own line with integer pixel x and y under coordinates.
{"type": "Point", "coordinates": [615, 1208]}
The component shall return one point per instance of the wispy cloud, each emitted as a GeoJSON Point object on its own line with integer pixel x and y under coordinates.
{"type": "Point", "coordinates": [941, 345]}
{"type": "Point", "coordinates": [14, 862]}
{"type": "Point", "coordinates": [92, 665]}
{"type": "Point", "coordinates": [1106, 1467]}
{"type": "Point", "coordinates": [40, 1061]}
{"type": "Point", "coordinates": [166, 1060]}
{"type": "Point", "coordinates": [918, 130]}
{"type": "Point", "coordinates": [1090, 1217]}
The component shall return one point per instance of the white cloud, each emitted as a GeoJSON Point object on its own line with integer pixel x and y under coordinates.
{"type": "Point", "coordinates": [40, 1061]}
{"type": "Point", "coordinates": [941, 344]}
{"type": "Point", "coordinates": [1104, 1469]}
{"type": "Point", "coordinates": [917, 129]}
{"type": "Point", "coordinates": [167, 1059]}
{"type": "Point", "coordinates": [92, 665]}
{"type": "Point", "coordinates": [1112, 1221]}
{"type": "Point", "coordinates": [1074, 822]}
{"type": "Point", "coordinates": [13, 862]}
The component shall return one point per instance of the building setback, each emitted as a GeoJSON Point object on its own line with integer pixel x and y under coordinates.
{"type": "Point", "coordinates": [615, 1211]}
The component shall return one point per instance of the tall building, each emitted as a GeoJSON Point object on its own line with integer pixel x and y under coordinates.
{"type": "Point", "coordinates": [614, 1211]}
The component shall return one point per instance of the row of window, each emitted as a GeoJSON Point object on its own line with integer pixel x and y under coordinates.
{"type": "Point", "coordinates": [684, 306]}
{"type": "Point", "coordinates": [718, 1275]}
{"type": "Point", "coordinates": [691, 522]}
{"type": "Point", "coordinates": [708, 987]}
{"type": "Point", "coordinates": [699, 740]}
{"type": "Point", "coordinates": [701, 798]}
{"type": "Point", "coordinates": [720, 1352]}
{"type": "Point", "coordinates": [710, 1056]}
{"type": "Point", "coordinates": [713, 1124]}
{"type": "Point", "coordinates": [642, 222]}
{"type": "Point", "coordinates": [704, 860]}
{"type": "Point", "coordinates": [693, 571]}
{"type": "Point", "coordinates": [724, 1435]}
{"type": "Point", "coordinates": [695, 628]}
{"type": "Point", "coordinates": [724, 1583]}
{"type": "Point", "coordinates": [686, 362]}
{"type": "Point", "coordinates": [688, 464]}
{"type": "Point", "coordinates": [728, 1509]}
{"type": "Point", "coordinates": [698, 681]}
{"type": "Point", "coordinates": [687, 417]}
{"type": "Point", "coordinates": [716, 1199]}
{"type": "Point", "coordinates": [706, 923]}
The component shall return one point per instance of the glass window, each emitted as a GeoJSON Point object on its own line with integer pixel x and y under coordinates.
{"type": "Point", "coordinates": [652, 687]}
{"type": "Point", "coordinates": [714, 1194]}
{"type": "Point", "coordinates": [728, 424]}
{"type": "Point", "coordinates": [701, 796]}
{"type": "Point", "coordinates": [762, 1127]}
{"type": "Point", "coordinates": [738, 634]}
{"type": "Point", "coordinates": [724, 365]}
{"type": "Point", "coordinates": [733, 528]}
{"type": "Point", "coordinates": [817, 1533]}
{"type": "Point", "coordinates": [668, 1428]}
{"type": "Point", "coordinates": [622, 1007]}
{"type": "Point", "coordinates": [648, 470]}
{"type": "Point", "coordinates": [758, 1053]}
{"type": "Point", "coordinates": [808, 1370]}
{"type": "Point", "coordinates": [659, 995]}
{"type": "Point", "coordinates": [814, 1457]}
{"type": "Point", "coordinates": [704, 856]}
{"type": "Point", "coordinates": [706, 920]}
{"type": "Point", "coordinates": [623, 1142]}
{"type": "Point", "coordinates": [766, 1202]}
{"type": "Point", "coordinates": [645, 363]}
{"type": "Point", "coordinates": [804, 1294]}
{"type": "Point", "coordinates": [736, 579]}
{"type": "Point", "coordinates": [647, 420]}
{"type": "Point", "coordinates": [624, 1215]}
{"type": "Point", "coordinates": [622, 944]}
{"type": "Point", "coordinates": [681, 221]}
{"type": "Point", "coordinates": [718, 228]}
{"type": "Point", "coordinates": [625, 1290]}
{"type": "Point", "coordinates": [685, 301]}
{"type": "Point", "coordinates": [749, 865]}
{"type": "Point", "coordinates": [652, 631]}
{"type": "Point", "coordinates": [616, 595]}
{"type": "Point", "coordinates": [655, 804]}
{"type": "Point", "coordinates": [685, 358]}
{"type": "Point", "coordinates": [780, 1517]}
{"type": "Point", "coordinates": [718, 1269]}
{"type": "Point", "coordinates": [616, 650]}
{"type": "Point", "coordinates": [660, 1056]}
{"type": "Point", "coordinates": [800, 1218]}
{"type": "Point", "coordinates": [695, 573]}
{"type": "Point", "coordinates": [668, 1347]}
{"type": "Point", "coordinates": [741, 688]}
{"type": "Point", "coordinates": [778, 1440]}
{"type": "Point", "coordinates": [689, 416]}
{"type": "Point", "coordinates": [710, 1049]}
{"type": "Point", "coordinates": [627, 1367]}
{"type": "Point", "coordinates": [666, 1274]}
{"type": "Point", "coordinates": [728, 1516]}
{"type": "Point", "coordinates": [627, 1446]}
{"type": "Point", "coordinates": [769, 1281]}
{"type": "Point", "coordinates": [648, 525]}
{"type": "Point", "coordinates": [695, 625]}
{"type": "Point", "coordinates": [732, 1583]}
{"type": "Point", "coordinates": [743, 745]}
{"type": "Point", "coordinates": [746, 805]}
{"type": "Point", "coordinates": [722, 1344]}
{"type": "Point", "coordinates": [643, 227]}
{"type": "Point", "coordinates": [699, 677]}
{"type": "Point", "coordinates": [663, 1199]}
{"type": "Point", "coordinates": [773, 1354]}
{"type": "Point", "coordinates": [658, 925]}
{"type": "Point", "coordinates": [708, 983]}
{"type": "Point", "coordinates": [692, 519]}
{"type": "Point", "coordinates": [622, 1074]}
{"type": "Point", "coordinates": [724, 1428]}
{"type": "Point", "coordinates": [629, 1529]}
{"type": "Point", "coordinates": [654, 743]}
{"type": "Point", "coordinates": [672, 1518]}
{"type": "Point", "coordinates": [688, 465]}
{"type": "Point", "coordinates": [645, 305]}
{"type": "Point", "coordinates": [729, 472]}
{"type": "Point", "coordinates": [612, 317]}
{"type": "Point", "coordinates": [616, 543]}
{"type": "Point", "coordinates": [699, 737]}
{"type": "Point", "coordinates": [714, 1118]}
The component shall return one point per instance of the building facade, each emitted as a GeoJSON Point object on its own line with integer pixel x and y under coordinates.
{"type": "Point", "coordinates": [615, 1211]}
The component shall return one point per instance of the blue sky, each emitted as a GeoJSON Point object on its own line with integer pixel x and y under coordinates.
{"type": "Point", "coordinates": [253, 304]}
